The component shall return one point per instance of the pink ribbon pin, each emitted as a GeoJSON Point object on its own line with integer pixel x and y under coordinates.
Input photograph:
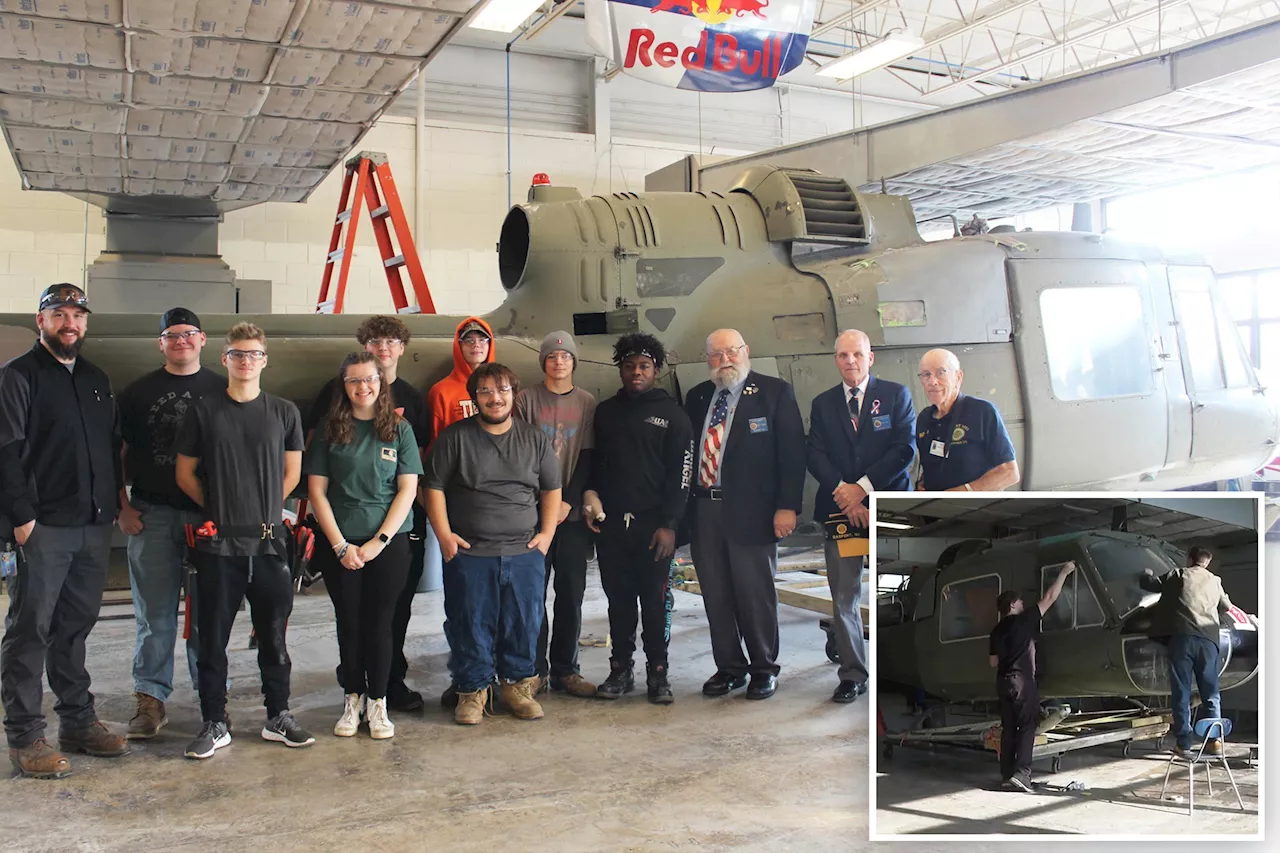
{"type": "Point", "coordinates": [875, 407]}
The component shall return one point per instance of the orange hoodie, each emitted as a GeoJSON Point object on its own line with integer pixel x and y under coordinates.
{"type": "Point", "coordinates": [448, 400]}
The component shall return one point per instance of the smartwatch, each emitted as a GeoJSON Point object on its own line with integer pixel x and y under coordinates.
{"type": "Point", "coordinates": [384, 538]}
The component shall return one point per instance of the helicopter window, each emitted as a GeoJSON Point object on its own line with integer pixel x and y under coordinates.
{"type": "Point", "coordinates": [1214, 350]}
{"type": "Point", "coordinates": [1096, 342]}
{"type": "Point", "coordinates": [968, 608]}
{"type": "Point", "coordinates": [1120, 563]}
{"type": "Point", "coordinates": [1076, 607]}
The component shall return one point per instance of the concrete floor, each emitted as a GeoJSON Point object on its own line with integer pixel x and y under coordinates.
{"type": "Point", "coordinates": [713, 774]}
{"type": "Point", "coordinates": [949, 791]}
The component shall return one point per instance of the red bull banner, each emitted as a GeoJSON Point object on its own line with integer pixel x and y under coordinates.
{"type": "Point", "coordinates": [704, 45]}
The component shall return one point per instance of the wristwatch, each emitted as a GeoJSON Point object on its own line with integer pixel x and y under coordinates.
{"type": "Point", "coordinates": [384, 538]}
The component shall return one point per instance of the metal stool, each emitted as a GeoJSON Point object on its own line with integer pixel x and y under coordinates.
{"type": "Point", "coordinates": [1206, 729]}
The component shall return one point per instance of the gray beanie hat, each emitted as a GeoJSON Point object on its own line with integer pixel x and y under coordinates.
{"type": "Point", "coordinates": [557, 341]}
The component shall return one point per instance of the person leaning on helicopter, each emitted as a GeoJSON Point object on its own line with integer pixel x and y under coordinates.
{"type": "Point", "coordinates": [963, 444]}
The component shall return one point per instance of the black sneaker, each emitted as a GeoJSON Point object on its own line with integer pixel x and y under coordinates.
{"type": "Point", "coordinates": [401, 698]}
{"type": "Point", "coordinates": [622, 679]}
{"type": "Point", "coordinates": [212, 737]}
{"type": "Point", "coordinates": [283, 728]}
{"type": "Point", "coordinates": [659, 686]}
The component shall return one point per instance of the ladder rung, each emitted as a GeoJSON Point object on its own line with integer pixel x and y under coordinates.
{"type": "Point", "coordinates": [335, 255]}
{"type": "Point", "coordinates": [342, 217]}
{"type": "Point", "coordinates": [379, 211]}
{"type": "Point", "coordinates": [326, 307]}
{"type": "Point", "coordinates": [397, 261]}
{"type": "Point", "coordinates": [410, 309]}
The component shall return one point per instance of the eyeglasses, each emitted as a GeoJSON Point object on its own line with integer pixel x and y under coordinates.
{"type": "Point", "coordinates": [174, 337]}
{"type": "Point", "coordinates": [379, 343]}
{"type": "Point", "coordinates": [940, 374]}
{"type": "Point", "coordinates": [362, 380]}
{"type": "Point", "coordinates": [727, 352]}
{"type": "Point", "coordinates": [66, 295]}
{"type": "Point", "coordinates": [489, 392]}
{"type": "Point", "coordinates": [245, 354]}
{"type": "Point", "coordinates": [475, 341]}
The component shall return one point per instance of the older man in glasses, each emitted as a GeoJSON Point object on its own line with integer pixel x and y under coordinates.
{"type": "Point", "coordinates": [59, 493]}
{"type": "Point", "coordinates": [963, 444]}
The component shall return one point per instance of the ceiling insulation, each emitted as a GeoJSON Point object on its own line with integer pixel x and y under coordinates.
{"type": "Point", "coordinates": [201, 106]}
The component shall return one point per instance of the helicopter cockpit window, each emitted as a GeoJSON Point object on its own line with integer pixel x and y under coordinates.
{"type": "Point", "coordinates": [1214, 350]}
{"type": "Point", "coordinates": [1096, 342]}
{"type": "Point", "coordinates": [968, 608]}
{"type": "Point", "coordinates": [1076, 607]}
{"type": "Point", "coordinates": [1120, 563]}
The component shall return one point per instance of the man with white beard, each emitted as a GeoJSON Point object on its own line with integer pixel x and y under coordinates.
{"type": "Point", "coordinates": [748, 487]}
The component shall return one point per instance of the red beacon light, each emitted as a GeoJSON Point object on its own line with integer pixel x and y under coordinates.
{"type": "Point", "coordinates": [541, 180]}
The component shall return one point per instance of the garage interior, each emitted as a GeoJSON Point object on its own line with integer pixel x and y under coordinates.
{"type": "Point", "coordinates": [171, 152]}
{"type": "Point", "coordinates": [929, 787]}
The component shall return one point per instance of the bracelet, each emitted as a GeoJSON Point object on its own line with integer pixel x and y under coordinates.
{"type": "Point", "coordinates": [968, 488]}
{"type": "Point", "coordinates": [342, 552]}
{"type": "Point", "coordinates": [339, 545]}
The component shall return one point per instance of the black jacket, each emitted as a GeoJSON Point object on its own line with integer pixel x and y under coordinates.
{"type": "Point", "coordinates": [763, 463]}
{"type": "Point", "coordinates": [59, 443]}
{"type": "Point", "coordinates": [643, 459]}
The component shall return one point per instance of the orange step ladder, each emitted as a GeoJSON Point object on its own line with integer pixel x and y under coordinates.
{"type": "Point", "coordinates": [375, 189]}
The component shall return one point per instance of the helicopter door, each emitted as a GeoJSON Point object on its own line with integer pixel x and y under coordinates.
{"type": "Point", "coordinates": [1095, 406]}
{"type": "Point", "coordinates": [1231, 421]}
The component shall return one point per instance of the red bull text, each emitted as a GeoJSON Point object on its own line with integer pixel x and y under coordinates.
{"type": "Point", "coordinates": [722, 54]}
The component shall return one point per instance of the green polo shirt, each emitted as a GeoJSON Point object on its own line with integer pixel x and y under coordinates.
{"type": "Point", "coordinates": [362, 476]}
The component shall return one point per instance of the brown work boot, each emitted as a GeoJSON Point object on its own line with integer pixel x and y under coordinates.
{"type": "Point", "coordinates": [518, 696]}
{"type": "Point", "coordinates": [471, 707]}
{"type": "Point", "coordinates": [94, 739]}
{"type": "Point", "coordinates": [1215, 748]}
{"type": "Point", "coordinates": [150, 718]}
{"type": "Point", "coordinates": [573, 684]}
{"type": "Point", "coordinates": [39, 761]}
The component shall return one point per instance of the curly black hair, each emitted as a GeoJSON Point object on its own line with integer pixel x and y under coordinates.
{"type": "Point", "coordinates": [638, 343]}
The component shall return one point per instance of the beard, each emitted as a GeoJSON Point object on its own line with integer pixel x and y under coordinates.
{"type": "Point", "coordinates": [58, 348]}
{"type": "Point", "coordinates": [493, 419]}
{"type": "Point", "coordinates": [730, 375]}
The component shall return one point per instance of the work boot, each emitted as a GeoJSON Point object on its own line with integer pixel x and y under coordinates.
{"type": "Point", "coordinates": [542, 683]}
{"type": "Point", "coordinates": [149, 719]}
{"type": "Point", "coordinates": [401, 698]}
{"type": "Point", "coordinates": [449, 698]}
{"type": "Point", "coordinates": [622, 679]}
{"type": "Point", "coordinates": [94, 739]}
{"type": "Point", "coordinates": [659, 686]}
{"type": "Point", "coordinates": [471, 706]}
{"type": "Point", "coordinates": [573, 684]}
{"type": "Point", "coordinates": [518, 696]}
{"type": "Point", "coordinates": [39, 761]}
{"type": "Point", "coordinates": [1215, 748]}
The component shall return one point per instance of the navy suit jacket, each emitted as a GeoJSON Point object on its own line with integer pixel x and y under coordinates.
{"type": "Point", "coordinates": [837, 452]}
{"type": "Point", "coordinates": [761, 470]}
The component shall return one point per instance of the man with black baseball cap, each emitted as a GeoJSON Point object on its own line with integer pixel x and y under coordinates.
{"type": "Point", "coordinates": [59, 490]}
{"type": "Point", "coordinates": [156, 512]}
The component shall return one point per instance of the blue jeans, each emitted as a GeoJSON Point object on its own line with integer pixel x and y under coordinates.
{"type": "Point", "coordinates": [1193, 662]}
{"type": "Point", "coordinates": [155, 575]}
{"type": "Point", "coordinates": [494, 607]}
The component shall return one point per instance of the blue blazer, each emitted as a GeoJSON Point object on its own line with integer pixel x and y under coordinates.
{"type": "Point", "coordinates": [836, 452]}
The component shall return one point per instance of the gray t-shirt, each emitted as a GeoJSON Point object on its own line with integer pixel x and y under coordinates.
{"type": "Point", "coordinates": [241, 448]}
{"type": "Point", "coordinates": [569, 421]}
{"type": "Point", "coordinates": [492, 483]}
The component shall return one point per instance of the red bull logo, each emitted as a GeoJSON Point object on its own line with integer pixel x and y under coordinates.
{"type": "Point", "coordinates": [713, 11]}
{"type": "Point", "coordinates": [720, 54]}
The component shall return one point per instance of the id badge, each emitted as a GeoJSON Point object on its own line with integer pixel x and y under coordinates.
{"type": "Point", "coordinates": [937, 448]}
{"type": "Point", "coordinates": [8, 563]}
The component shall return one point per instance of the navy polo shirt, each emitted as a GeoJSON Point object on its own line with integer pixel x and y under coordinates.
{"type": "Point", "coordinates": [973, 438]}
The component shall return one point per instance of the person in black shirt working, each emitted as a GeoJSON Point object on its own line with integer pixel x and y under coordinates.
{"type": "Point", "coordinates": [639, 481]}
{"type": "Point", "coordinates": [386, 337]}
{"type": "Point", "coordinates": [155, 513]}
{"type": "Point", "coordinates": [1013, 656]}
{"type": "Point", "coordinates": [249, 443]}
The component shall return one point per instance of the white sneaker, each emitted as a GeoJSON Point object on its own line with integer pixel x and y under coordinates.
{"type": "Point", "coordinates": [379, 726]}
{"type": "Point", "coordinates": [349, 723]}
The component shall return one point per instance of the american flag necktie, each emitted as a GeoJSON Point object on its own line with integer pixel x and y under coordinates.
{"type": "Point", "coordinates": [855, 405]}
{"type": "Point", "coordinates": [713, 444]}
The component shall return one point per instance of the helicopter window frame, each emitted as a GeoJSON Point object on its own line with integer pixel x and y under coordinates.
{"type": "Point", "coordinates": [1206, 330]}
{"type": "Point", "coordinates": [944, 618]}
{"type": "Point", "coordinates": [1048, 574]}
{"type": "Point", "coordinates": [1064, 348]}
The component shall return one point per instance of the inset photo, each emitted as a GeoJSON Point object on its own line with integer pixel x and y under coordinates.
{"type": "Point", "coordinates": [1076, 664]}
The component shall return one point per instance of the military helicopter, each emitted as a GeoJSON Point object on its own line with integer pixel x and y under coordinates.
{"type": "Point", "coordinates": [1114, 367]}
{"type": "Point", "coordinates": [932, 632]}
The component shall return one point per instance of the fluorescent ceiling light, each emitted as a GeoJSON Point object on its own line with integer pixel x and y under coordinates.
{"type": "Point", "coordinates": [889, 49]}
{"type": "Point", "coordinates": [893, 525]}
{"type": "Point", "coordinates": [503, 16]}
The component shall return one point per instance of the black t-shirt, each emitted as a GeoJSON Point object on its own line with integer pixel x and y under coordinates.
{"type": "Point", "coordinates": [410, 405]}
{"type": "Point", "coordinates": [962, 446]}
{"type": "Point", "coordinates": [241, 447]}
{"type": "Point", "coordinates": [1013, 641]}
{"type": "Point", "coordinates": [151, 413]}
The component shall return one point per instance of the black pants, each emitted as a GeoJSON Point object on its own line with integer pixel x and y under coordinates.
{"type": "Point", "coordinates": [404, 603]}
{"type": "Point", "coordinates": [568, 558]}
{"type": "Point", "coordinates": [629, 573]}
{"type": "Point", "coordinates": [1019, 715]}
{"type": "Point", "coordinates": [364, 601]}
{"type": "Point", "coordinates": [53, 605]}
{"type": "Point", "coordinates": [221, 582]}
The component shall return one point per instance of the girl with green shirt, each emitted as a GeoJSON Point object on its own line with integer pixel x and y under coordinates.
{"type": "Point", "coordinates": [363, 466]}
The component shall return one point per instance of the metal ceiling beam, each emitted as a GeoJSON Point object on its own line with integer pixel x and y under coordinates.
{"type": "Point", "coordinates": [844, 17]}
{"type": "Point", "coordinates": [896, 148]}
